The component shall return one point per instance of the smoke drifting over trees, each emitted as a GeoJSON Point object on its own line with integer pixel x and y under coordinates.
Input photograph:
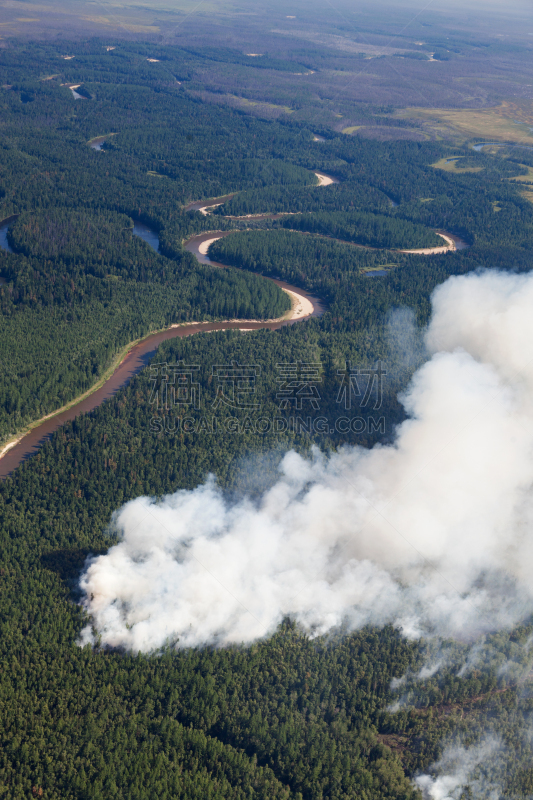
{"type": "Point", "coordinates": [430, 534]}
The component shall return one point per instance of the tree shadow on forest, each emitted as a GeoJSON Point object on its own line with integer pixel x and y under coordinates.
{"type": "Point", "coordinates": [67, 563]}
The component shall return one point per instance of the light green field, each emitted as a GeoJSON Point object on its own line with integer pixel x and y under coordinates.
{"type": "Point", "coordinates": [18, 17]}
{"type": "Point", "coordinates": [451, 166]}
{"type": "Point", "coordinates": [524, 178]}
{"type": "Point", "coordinates": [245, 102]}
{"type": "Point", "coordinates": [508, 122]}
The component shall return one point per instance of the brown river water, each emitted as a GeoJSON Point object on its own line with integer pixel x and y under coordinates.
{"type": "Point", "coordinates": [137, 358]}
{"type": "Point", "coordinates": [142, 353]}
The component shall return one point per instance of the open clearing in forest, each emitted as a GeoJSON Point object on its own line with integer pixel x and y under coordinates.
{"type": "Point", "coordinates": [324, 180]}
{"type": "Point", "coordinates": [245, 102]}
{"type": "Point", "coordinates": [509, 121]}
{"type": "Point", "coordinates": [84, 16]}
{"type": "Point", "coordinates": [524, 178]}
{"type": "Point", "coordinates": [449, 165]}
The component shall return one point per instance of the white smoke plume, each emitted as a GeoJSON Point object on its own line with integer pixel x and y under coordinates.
{"type": "Point", "coordinates": [477, 767]}
{"type": "Point", "coordinates": [432, 533]}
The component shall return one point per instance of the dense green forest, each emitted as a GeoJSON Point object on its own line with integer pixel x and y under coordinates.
{"type": "Point", "coordinates": [336, 272]}
{"type": "Point", "coordinates": [189, 151]}
{"type": "Point", "coordinates": [368, 229]}
{"type": "Point", "coordinates": [290, 717]}
{"type": "Point", "coordinates": [81, 287]}
{"type": "Point", "coordinates": [335, 197]}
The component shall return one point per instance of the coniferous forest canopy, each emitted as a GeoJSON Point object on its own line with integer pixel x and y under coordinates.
{"type": "Point", "coordinates": [290, 716]}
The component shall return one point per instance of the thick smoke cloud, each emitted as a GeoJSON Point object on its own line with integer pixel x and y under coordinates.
{"type": "Point", "coordinates": [432, 534]}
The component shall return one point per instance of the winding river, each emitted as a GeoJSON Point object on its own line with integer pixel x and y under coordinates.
{"type": "Point", "coordinates": [146, 234]}
{"type": "Point", "coordinates": [4, 226]}
{"type": "Point", "coordinates": [98, 142]}
{"type": "Point", "coordinates": [481, 145]}
{"type": "Point", "coordinates": [303, 306]}
{"type": "Point", "coordinates": [4, 244]}
{"type": "Point", "coordinates": [140, 354]}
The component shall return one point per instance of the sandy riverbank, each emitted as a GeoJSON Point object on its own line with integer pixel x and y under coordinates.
{"type": "Point", "coordinates": [11, 444]}
{"type": "Point", "coordinates": [428, 251]}
{"type": "Point", "coordinates": [204, 247]}
{"type": "Point", "coordinates": [301, 306]}
{"type": "Point", "coordinates": [206, 209]}
{"type": "Point", "coordinates": [324, 180]}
